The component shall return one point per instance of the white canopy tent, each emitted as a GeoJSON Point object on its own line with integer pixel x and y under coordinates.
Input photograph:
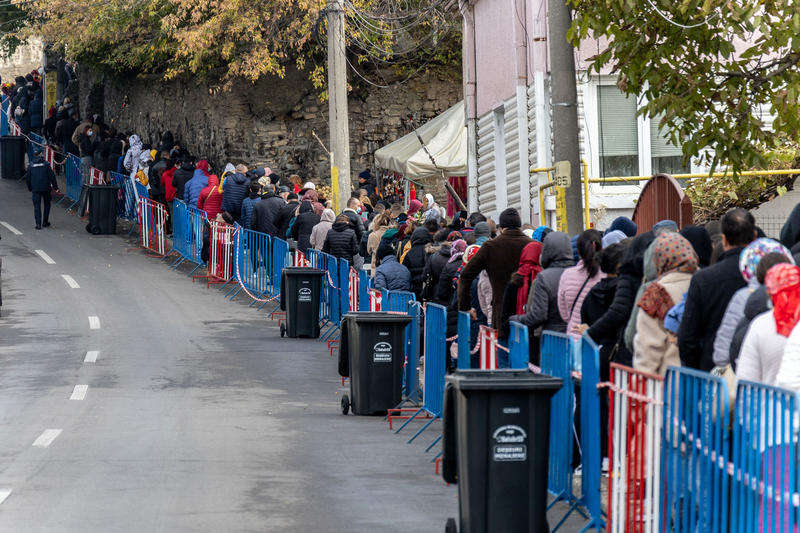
{"type": "Point", "coordinates": [445, 137]}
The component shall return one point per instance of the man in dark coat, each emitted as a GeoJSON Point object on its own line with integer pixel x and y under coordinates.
{"type": "Point", "coordinates": [284, 217]}
{"type": "Point", "coordinates": [499, 257]}
{"type": "Point", "coordinates": [265, 211]}
{"type": "Point", "coordinates": [182, 175]}
{"type": "Point", "coordinates": [40, 180]}
{"type": "Point", "coordinates": [710, 291]}
{"type": "Point", "coordinates": [353, 205]}
{"type": "Point", "coordinates": [341, 240]}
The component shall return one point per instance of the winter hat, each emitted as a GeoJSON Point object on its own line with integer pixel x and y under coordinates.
{"type": "Point", "coordinates": [665, 225]}
{"type": "Point", "coordinates": [385, 249]}
{"type": "Point", "coordinates": [482, 229]}
{"type": "Point", "coordinates": [457, 250]}
{"type": "Point", "coordinates": [309, 185]}
{"type": "Point", "coordinates": [623, 224]}
{"type": "Point", "coordinates": [364, 174]}
{"type": "Point", "coordinates": [470, 252]}
{"type": "Point", "coordinates": [203, 165]}
{"type": "Point", "coordinates": [510, 219]}
{"type": "Point", "coordinates": [540, 233]}
{"type": "Point", "coordinates": [613, 237]}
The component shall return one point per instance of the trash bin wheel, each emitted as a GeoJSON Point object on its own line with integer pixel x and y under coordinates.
{"type": "Point", "coordinates": [283, 329]}
{"type": "Point", "coordinates": [89, 227]}
{"type": "Point", "coordinates": [451, 527]}
{"type": "Point", "coordinates": [345, 404]}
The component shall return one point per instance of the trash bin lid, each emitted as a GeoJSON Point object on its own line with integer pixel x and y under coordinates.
{"type": "Point", "coordinates": [378, 316]}
{"type": "Point", "coordinates": [303, 271]}
{"type": "Point", "coordinates": [503, 379]}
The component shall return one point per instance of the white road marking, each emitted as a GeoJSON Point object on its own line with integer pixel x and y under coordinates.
{"type": "Point", "coordinates": [91, 356]}
{"type": "Point", "coordinates": [47, 258]}
{"type": "Point", "coordinates": [79, 392]}
{"type": "Point", "coordinates": [47, 438]}
{"type": "Point", "coordinates": [4, 493]}
{"type": "Point", "coordinates": [13, 230]}
{"type": "Point", "coordinates": [94, 322]}
{"type": "Point", "coordinates": [70, 281]}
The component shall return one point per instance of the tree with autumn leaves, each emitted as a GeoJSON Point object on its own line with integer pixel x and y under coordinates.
{"type": "Point", "coordinates": [705, 69]}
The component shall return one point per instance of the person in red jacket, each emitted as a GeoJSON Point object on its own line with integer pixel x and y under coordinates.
{"type": "Point", "coordinates": [169, 192]}
{"type": "Point", "coordinates": [210, 199]}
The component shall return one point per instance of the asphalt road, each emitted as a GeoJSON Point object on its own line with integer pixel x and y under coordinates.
{"type": "Point", "coordinates": [195, 416]}
{"type": "Point", "coordinates": [134, 400]}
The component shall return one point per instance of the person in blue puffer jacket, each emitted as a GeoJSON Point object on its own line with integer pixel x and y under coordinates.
{"type": "Point", "coordinates": [198, 182]}
{"type": "Point", "coordinates": [248, 203]}
{"type": "Point", "coordinates": [390, 274]}
{"type": "Point", "coordinates": [234, 190]}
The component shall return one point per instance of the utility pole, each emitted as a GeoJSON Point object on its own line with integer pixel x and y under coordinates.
{"type": "Point", "coordinates": [564, 94]}
{"type": "Point", "coordinates": [337, 105]}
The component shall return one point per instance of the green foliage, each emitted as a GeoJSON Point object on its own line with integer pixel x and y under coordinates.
{"type": "Point", "coordinates": [706, 67]}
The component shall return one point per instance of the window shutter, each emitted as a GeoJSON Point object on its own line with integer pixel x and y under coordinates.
{"type": "Point", "coordinates": [659, 146]}
{"type": "Point", "coordinates": [618, 134]}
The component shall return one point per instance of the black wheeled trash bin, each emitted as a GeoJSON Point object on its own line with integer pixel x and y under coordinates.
{"type": "Point", "coordinates": [300, 297]}
{"type": "Point", "coordinates": [102, 209]}
{"type": "Point", "coordinates": [495, 446]}
{"type": "Point", "coordinates": [372, 353]}
{"type": "Point", "coordinates": [12, 156]}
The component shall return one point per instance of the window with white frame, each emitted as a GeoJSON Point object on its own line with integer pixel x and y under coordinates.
{"type": "Point", "coordinates": [619, 137]}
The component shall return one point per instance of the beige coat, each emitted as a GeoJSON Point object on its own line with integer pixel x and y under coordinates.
{"type": "Point", "coordinates": [373, 242]}
{"type": "Point", "coordinates": [652, 351]}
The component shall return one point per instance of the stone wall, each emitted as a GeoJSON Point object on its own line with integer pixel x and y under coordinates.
{"type": "Point", "coordinates": [26, 58]}
{"type": "Point", "coordinates": [269, 122]}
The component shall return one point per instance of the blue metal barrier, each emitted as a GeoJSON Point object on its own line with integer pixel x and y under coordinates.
{"type": "Point", "coordinates": [320, 260]}
{"type": "Point", "coordinates": [364, 285]}
{"type": "Point", "coordinates": [252, 263]}
{"type": "Point", "coordinates": [556, 358]}
{"type": "Point", "coordinates": [694, 453]}
{"type": "Point", "coordinates": [74, 179]}
{"type": "Point", "coordinates": [126, 205]}
{"type": "Point", "coordinates": [518, 352]}
{"type": "Point", "coordinates": [397, 301]}
{"type": "Point", "coordinates": [191, 242]}
{"type": "Point", "coordinates": [335, 314]}
{"type": "Point", "coordinates": [4, 116]}
{"type": "Point", "coordinates": [591, 462]}
{"type": "Point", "coordinates": [279, 260]}
{"type": "Point", "coordinates": [180, 225]}
{"type": "Point", "coordinates": [344, 287]}
{"type": "Point", "coordinates": [765, 447]}
{"type": "Point", "coordinates": [411, 390]}
{"type": "Point", "coordinates": [435, 366]}
{"type": "Point", "coordinates": [142, 191]}
{"type": "Point", "coordinates": [463, 332]}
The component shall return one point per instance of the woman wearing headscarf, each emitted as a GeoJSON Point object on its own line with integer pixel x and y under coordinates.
{"type": "Point", "coordinates": [320, 231]}
{"type": "Point", "coordinates": [432, 211]}
{"type": "Point", "coordinates": [701, 242]}
{"type": "Point", "coordinates": [625, 225]}
{"type": "Point", "coordinates": [748, 263]}
{"type": "Point", "coordinates": [540, 233]}
{"type": "Point", "coordinates": [675, 261]}
{"type": "Point", "coordinates": [518, 288]}
{"type": "Point", "coordinates": [577, 281]}
{"type": "Point", "coordinates": [649, 275]}
{"type": "Point", "coordinates": [763, 349]}
{"type": "Point", "coordinates": [445, 287]}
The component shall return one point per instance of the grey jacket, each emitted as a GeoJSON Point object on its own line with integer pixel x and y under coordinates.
{"type": "Point", "coordinates": [733, 314]}
{"type": "Point", "coordinates": [542, 307]}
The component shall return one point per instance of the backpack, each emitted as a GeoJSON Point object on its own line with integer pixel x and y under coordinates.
{"type": "Point", "coordinates": [289, 228]}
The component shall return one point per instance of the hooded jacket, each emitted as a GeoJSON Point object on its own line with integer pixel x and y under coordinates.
{"type": "Point", "coordinates": [284, 218]}
{"type": "Point", "coordinates": [414, 260]}
{"type": "Point", "coordinates": [320, 231]}
{"type": "Point", "coordinates": [392, 276]}
{"type": "Point", "coordinates": [542, 308]}
{"type": "Point", "coordinates": [131, 161]}
{"type": "Point", "coordinates": [182, 175]}
{"type": "Point", "coordinates": [154, 175]}
{"type": "Point", "coordinates": [233, 192]}
{"type": "Point", "coordinates": [341, 242]}
{"type": "Point", "coordinates": [264, 213]}
{"type": "Point", "coordinates": [194, 186]}
{"type": "Point", "coordinates": [438, 257]}
{"type": "Point", "coordinates": [303, 226]}
{"type": "Point", "coordinates": [166, 181]}
{"type": "Point", "coordinates": [210, 200]}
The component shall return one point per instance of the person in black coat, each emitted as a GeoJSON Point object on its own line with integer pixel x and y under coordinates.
{"type": "Point", "coordinates": [415, 259]}
{"type": "Point", "coordinates": [305, 222]}
{"type": "Point", "coordinates": [36, 109]}
{"type": "Point", "coordinates": [611, 324]}
{"type": "Point", "coordinates": [182, 175]}
{"type": "Point", "coordinates": [438, 256]}
{"type": "Point", "coordinates": [341, 240]}
{"type": "Point", "coordinates": [285, 216]}
{"type": "Point", "coordinates": [40, 180]}
{"type": "Point", "coordinates": [710, 291]}
{"type": "Point", "coordinates": [265, 211]}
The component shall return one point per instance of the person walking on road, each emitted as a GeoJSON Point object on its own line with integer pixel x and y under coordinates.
{"type": "Point", "coordinates": [41, 180]}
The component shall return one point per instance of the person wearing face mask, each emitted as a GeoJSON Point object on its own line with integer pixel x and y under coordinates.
{"type": "Point", "coordinates": [87, 146]}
